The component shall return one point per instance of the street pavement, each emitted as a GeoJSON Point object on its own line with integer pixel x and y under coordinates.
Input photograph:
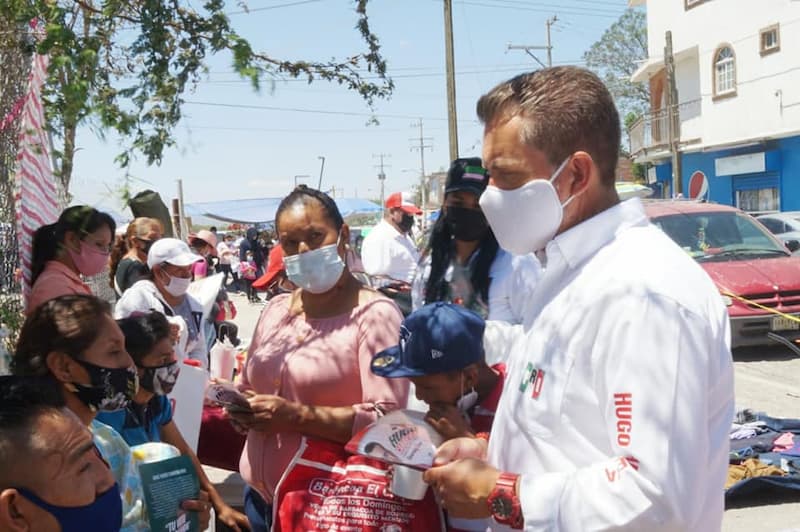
{"type": "Point", "coordinates": [767, 379]}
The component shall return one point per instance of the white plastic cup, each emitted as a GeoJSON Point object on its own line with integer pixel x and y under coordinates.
{"type": "Point", "coordinates": [407, 483]}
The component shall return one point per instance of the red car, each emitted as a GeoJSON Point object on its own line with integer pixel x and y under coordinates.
{"type": "Point", "coordinates": [743, 259]}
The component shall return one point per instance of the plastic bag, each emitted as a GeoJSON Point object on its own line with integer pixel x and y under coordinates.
{"type": "Point", "coordinates": [205, 291]}
{"type": "Point", "coordinates": [324, 488]}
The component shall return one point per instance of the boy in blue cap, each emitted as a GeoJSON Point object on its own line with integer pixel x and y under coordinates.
{"type": "Point", "coordinates": [441, 351]}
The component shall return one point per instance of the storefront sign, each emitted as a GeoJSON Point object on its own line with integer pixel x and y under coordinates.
{"type": "Point", "coordinates": [752, 163]}
{"type": "Point", "coordinates": [698, 186]}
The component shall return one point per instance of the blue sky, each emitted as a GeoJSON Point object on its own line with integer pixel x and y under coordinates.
{"type": "Point", "coordinates": [231, 153]}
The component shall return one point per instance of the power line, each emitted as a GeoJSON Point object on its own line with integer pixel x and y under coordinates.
{"type": "Point", "coordinates": [276, 6]}
{"type": "Point", "coordinates": [521, 8]}
{"type": "Point", "coordinates": [621, 4]}
{"type": "Point", "coordinates": [404, 68]}
{"type": "Point", "coordinates": [411, 76]}
{"type": "Point", "coordinates": [548, 47]}
{"type": "Point", "coordinates": [560, 7]}
{"type": "Point", "coordinates": [368, 129]}
{"type": "Point", "coordinates": [316, 111]}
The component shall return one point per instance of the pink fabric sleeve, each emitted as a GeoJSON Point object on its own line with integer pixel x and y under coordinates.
{"type": "Point", "coordinates": [50, 286]}
{"type": "Point", "coordinates": [200, 268]}
{"type": "Point", "coordinates": [378, 329]}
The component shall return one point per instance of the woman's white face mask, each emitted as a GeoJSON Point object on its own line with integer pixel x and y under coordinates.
{"type": "Point", "coordinates": [316, 271]}
{"type": "Point", "coordinates": [525, 219]}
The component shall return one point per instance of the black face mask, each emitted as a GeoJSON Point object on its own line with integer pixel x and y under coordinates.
{"type": "Point", "coordinates": [147, 244]}
{"type": "Point", "coordinates": [406, 223]}
{"type": "Point", "coordinates": [466, 224]}
{"type": "Point", "coordinates": [109, 389]}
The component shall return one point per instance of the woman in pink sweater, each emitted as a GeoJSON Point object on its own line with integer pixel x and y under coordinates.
{"type": "Point", "coordinates": [79, 243]}
{"type": "Point", "coordinates": [308, 370]}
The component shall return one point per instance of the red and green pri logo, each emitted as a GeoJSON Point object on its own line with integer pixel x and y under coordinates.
{"type": "Point", "coordinates": [534, 377]}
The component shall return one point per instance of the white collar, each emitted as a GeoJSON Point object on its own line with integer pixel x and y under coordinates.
{"type": "Point", "coordinates": [579, 243]}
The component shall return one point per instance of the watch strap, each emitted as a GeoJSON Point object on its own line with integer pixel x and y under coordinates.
{"type": "Point", "coordinates": [504, 503]}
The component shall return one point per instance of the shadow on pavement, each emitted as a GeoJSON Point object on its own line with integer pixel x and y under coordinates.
{"type": "Point", "coordinates": [766, 352]}
{"type": "Point", "coordinates": [765, 497]}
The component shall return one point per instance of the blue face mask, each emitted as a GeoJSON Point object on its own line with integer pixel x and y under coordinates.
{"type": "Point", "coordinates": [315, 271]}
{"type": "Point", "coordinates": [103, 515]}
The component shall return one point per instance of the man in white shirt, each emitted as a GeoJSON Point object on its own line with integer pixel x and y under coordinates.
{"type": "Point", "coordinates": [388, 250]}
{"type": "Point", "coordinates": [619, 387]}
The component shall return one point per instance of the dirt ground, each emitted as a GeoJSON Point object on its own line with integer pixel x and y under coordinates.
{"type": "Point", "coordinates": [767, 379]}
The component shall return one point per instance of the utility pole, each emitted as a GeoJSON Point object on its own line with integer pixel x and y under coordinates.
{"type": "Point", "coordinates": [452, 122]}
{"type": "Point", "coordinates": [672, 117]}
{"type": "Point", "coordinates": [382, 176]}
{"type": "Point", "coordinates": [183, 229]}
{"type": "Point", "coordinates": [549, 46]}
{"type": "Point", "coordinates": [422, 146]}
{"type": "Point", "coordinates": [321, 168]}
{"type": "Point", "coordinates": [552, 20]}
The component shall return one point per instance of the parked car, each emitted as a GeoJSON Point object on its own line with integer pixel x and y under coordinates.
{"type": "Point", "coordinates": [784, 225]}
{"type": "Point", "coordinates": [742, 258]}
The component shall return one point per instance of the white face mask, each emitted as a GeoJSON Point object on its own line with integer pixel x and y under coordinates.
{"type": "Point", "coordinates": [315, 271]}
{"type": "Point", "coordinates": [177, 286]}
{"type": "Point", "coordinates": [525, 219]}
{"type": "Point", "coordinates": [466, 402]}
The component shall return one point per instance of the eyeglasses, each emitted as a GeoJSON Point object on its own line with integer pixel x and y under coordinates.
{"type": "Point", "coordinates": [101, 247]}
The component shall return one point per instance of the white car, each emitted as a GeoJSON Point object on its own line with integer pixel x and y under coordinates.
{"type": "Point", "coordinates": [784, 225]}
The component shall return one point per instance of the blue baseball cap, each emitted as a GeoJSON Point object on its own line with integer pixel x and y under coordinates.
{"type": "Point", "coordinates": [438, 338]}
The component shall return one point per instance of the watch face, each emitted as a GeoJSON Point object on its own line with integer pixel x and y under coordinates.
{"type": "Point", "coordinates": [502, 507]}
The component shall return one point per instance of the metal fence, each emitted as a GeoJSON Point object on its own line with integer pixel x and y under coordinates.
{"type": "Point", "coordinates": [13, 79]}
{"type": "Point", "coordinates": [651, 131]}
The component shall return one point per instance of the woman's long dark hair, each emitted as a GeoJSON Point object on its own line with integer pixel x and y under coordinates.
{"type": "Point", "coordinates": [442, 250]}
{"type": "Point", "coordinates": [68, 324]}
{"type": "Point", "coordinates": [142, 332]}
{"type": "Point", "coordinates": [80, 219]}
{"type": "Point", "coordinates": [302, 195]}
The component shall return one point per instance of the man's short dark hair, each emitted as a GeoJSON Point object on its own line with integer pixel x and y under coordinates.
{"type": "Point", "coordinates": [23, 399]}
{"type": "Point", "coordinates": [565, 109]}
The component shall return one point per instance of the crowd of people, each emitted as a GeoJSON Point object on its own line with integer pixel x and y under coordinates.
{"type": "Point", "coordinates": [575, 362]}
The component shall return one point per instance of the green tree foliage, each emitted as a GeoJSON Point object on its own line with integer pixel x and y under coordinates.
{"type": "Point", "coordinates": [637, 169]}
{"type": "Point", "coordinates": [614, 57]}
{"type": "Point", "coordinates": [124, 66]}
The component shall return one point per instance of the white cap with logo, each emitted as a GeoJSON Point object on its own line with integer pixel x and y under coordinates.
{"type": "Point", "coordinates": [173, 251]}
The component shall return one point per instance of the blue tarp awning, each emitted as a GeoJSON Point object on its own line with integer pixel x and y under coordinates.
{"type": "Point", "coordinates": [262, 210]}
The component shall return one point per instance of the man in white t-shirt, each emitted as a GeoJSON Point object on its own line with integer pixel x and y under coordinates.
{"type": "Point", "coordinates": [388, 250]}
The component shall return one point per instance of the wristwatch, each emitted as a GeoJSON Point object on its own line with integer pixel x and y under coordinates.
{"type": "Point", "coordinates": [503, 502]}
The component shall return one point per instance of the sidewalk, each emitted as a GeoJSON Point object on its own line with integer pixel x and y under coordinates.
{"type": "Point", "coordinates": [229, 483]}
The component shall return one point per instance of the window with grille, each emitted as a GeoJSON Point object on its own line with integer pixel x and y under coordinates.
{"type": "Point", "coordinates": [724, 71]}
{"type": "Point", "coordinates": [770, 40]}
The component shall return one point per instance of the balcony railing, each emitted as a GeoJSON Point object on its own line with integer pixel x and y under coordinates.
{"type": "Point", "coordinates": [651, 131]}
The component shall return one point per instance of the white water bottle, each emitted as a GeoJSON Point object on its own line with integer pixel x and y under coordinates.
{"type": "Point", "coordinates": [222, 360]}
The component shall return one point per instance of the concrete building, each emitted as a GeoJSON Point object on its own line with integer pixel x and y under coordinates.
{"type": "Point", "coordinates": [737, 71]}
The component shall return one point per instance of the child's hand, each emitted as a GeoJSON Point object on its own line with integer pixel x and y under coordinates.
{"type": "Point", "coordinates": [448, 421]}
